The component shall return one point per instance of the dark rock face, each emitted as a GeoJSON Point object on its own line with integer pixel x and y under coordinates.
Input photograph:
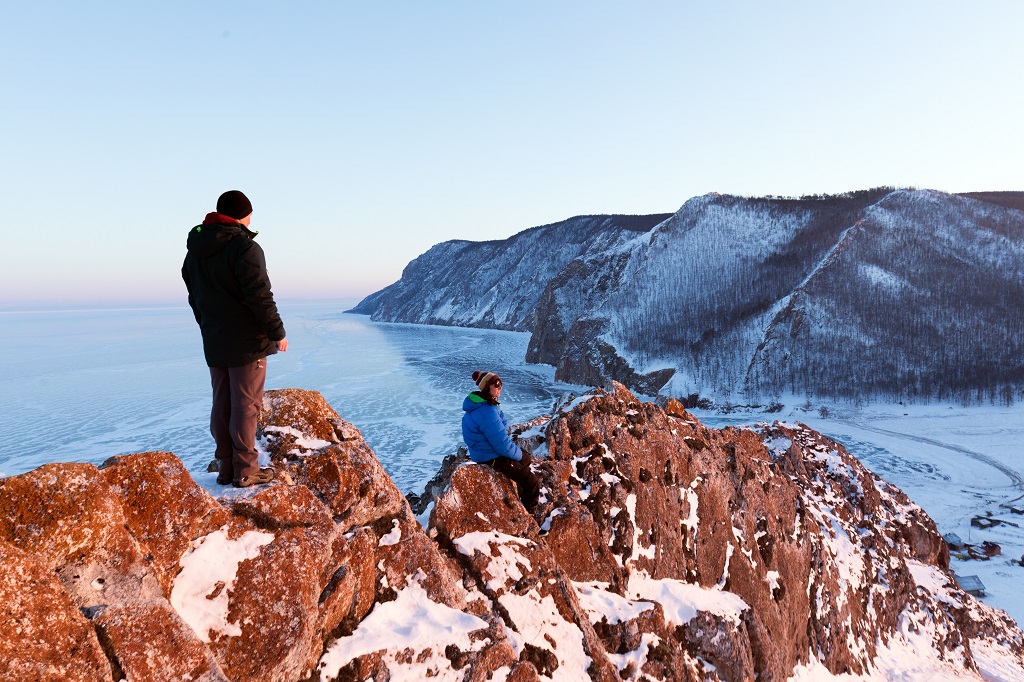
{"type": "Point", "coordinates": [660, 549]}
{"type": "Point", "coordinates": [584, 284]}
{"type": "Point", "coordinates": [588, 359]}
{"type": "Point", "coordinates": [435, 486]}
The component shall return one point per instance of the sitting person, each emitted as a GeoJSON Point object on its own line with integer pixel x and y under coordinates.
{"type": "Point", "coordinates": [486, 434]}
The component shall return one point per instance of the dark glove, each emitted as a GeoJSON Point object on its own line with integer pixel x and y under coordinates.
{"type": "Point", "coordinates": [527, 457]}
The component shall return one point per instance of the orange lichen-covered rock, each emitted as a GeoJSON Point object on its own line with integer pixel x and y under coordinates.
{"type": "Point", "coordinates": [164, 508]}
{"type": "Point", "coordinates": [150, 642]}
{"type": "Point", "coordinates": [481, 517]}
{"type": "Point", "coordinates": [296, 423]}
{"type": "Point", "coordinates": [65, 513]}
{"type": "Point", "coordinates": [43, 636]}
{"type": "Point", "coordinates": [353, 484]}
{"type": "Point", "coordinates": [69, 517]}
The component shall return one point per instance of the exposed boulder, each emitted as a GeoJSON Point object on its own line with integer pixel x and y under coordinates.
{"type": "Point", "coordinates": [91, 528]}
{"type": "Point", "coordinates": [149, 641]}
{"type": "Point", "coordinates": [164, 508]}
{"type": "Point", "coordinates": [287, 409]}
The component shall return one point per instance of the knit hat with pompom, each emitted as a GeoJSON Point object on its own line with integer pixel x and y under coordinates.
{"type": "Point", "coordinates": [482, 379]}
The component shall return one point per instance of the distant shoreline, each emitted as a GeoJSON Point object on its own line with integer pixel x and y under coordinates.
{"type": "Point", "coordinates": [166, 305]}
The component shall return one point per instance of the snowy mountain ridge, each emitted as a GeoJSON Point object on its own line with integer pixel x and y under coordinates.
{"type": "Point", "coordinates": [488, 284]}
{"type": "Point", "coordinates": [870, 293]}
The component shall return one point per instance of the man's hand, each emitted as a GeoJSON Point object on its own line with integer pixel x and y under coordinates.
{"type": "Point", "coordinates": [527, 458]}
{"type": "Point", "coordinates": [282, 345]}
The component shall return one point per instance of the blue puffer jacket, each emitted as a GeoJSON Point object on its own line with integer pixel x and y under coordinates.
{"type": "Point", "coordinates": [485, 431]}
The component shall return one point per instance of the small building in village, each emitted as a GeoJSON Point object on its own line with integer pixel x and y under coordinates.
{"type": "Point", "coordinates": [971, 584]}
{"type": "Point", "coordinates": [954, 541]}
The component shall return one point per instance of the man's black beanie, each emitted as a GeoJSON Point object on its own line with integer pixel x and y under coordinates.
{"type": "Point", "coordinates": [234, 204]}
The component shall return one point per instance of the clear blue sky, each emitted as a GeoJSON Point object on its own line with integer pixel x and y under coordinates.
{"type": "Point", "coordinates": [365, 132]}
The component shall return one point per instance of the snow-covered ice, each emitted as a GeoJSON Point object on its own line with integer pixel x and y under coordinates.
{"type": "Point", "coordinates": [88, 384]}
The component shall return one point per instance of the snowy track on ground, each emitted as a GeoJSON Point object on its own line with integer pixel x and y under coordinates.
{"type": "Point", "coordinates": [1017, 480]}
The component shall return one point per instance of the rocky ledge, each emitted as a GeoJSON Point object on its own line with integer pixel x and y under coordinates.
{"type": "Point", "coordinates": [661, 550]}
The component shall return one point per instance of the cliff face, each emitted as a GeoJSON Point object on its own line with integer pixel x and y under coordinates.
{"type": "Point", "coordinates": [661, 550]}
{"type": "Point", "coordinates": [496, 284]}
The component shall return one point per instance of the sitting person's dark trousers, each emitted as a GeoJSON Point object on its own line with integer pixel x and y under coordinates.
{"type": "Point", "coordinates": [486, 434]}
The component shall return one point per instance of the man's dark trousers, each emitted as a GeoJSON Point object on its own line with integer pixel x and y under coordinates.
{"type": "Point", "coordinates": [237, 400]}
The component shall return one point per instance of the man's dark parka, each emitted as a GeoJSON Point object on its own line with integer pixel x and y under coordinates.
{"type": "Point", "coordinates": [225, 272]}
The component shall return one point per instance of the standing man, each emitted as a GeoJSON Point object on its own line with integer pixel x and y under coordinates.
{"type": "Point", "coordinates": [229, 291]}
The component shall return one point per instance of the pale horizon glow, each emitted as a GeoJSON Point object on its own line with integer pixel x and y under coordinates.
{"type": "Point", "coordinates": [365, 133]}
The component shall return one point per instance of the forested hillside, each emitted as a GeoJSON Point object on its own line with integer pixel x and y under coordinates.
{"type": "Point", "coordinates": [925, 298]}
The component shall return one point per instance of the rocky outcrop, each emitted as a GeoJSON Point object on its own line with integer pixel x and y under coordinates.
{"type": "Point", "coordinates": [661, 549]}
{"type": "Point", "coordinates": [583, 284]}
{"type": "Point", "coordinates": [146, 576]}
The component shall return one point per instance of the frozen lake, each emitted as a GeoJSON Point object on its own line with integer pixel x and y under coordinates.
{"type": "Point", "coordinates": [88, 384]}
